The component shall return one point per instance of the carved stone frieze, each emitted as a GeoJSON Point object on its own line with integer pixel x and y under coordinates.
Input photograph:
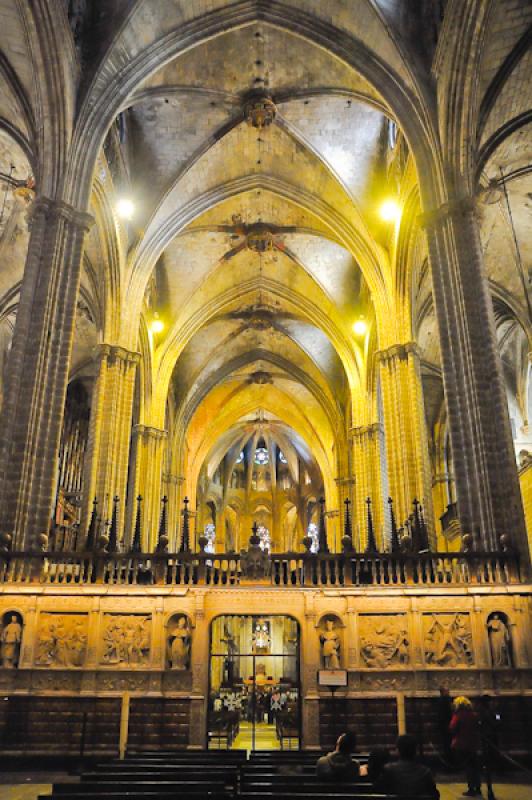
{"type": "Point", "coordinates": [384, 640]}
{"type": "Point", "coordinates": [123, 682]}
{"type": "Point", "coordinates": [388, 682]}
{"type": "Point", "coordinates": [447, 640]}
{"type": "Point", "coordinates": [126, 640]}
{"type": "Point", "coordinates": [56, 681]}
{"type": "Point", "coordinates": [177, 681]}
{"type": "Point", "coordinates": [61, 640]}
{"type": "Point", "coordinates": [507, 680]}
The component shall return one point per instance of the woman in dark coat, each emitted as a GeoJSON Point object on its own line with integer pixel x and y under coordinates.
{"type": "Point", "coordinates": [465, 743]}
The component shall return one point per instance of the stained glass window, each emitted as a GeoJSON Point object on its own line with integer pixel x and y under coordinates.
{"type": "Point", "coordinates": [210, 535]}
{"type": "Point", "coordinates": [261, 456]}
{"type": "Point", "coordinates": [313, 532]}
{"type": "Point", "coordinates": [265, 539]}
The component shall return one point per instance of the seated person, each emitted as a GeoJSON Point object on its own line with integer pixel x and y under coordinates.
{"type": "Point", "coordinates": [338, 765]}
{"type": "Point", "coordinates": [378, 758]}
{"type": "Point", "coordinates": [406, 777]}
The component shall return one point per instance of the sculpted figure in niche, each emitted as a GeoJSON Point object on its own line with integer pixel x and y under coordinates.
{"type": "Point", "coordinates": [330, 646]}
{"type": "Point", "coordinates": [179, 642]}
{"type": "Point", "coordinates": [500, 641]}
{"type": "Point", "coordinates": [448, 640]}
{"type": "Point", "coordinates": [384, 642]}
{"type": "Point", "coordinates": [11, 639]}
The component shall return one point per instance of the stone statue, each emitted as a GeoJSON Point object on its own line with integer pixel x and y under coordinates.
{"type": "Point", "coordinates": [180, 641]}
{"type": "Point", "coordinates": [500, 641]}
{"type": "Point", "coordinates": [384, 641]}
{"type": "Point", "coordinates": [232, 649]}
{"type": "Point", "coordinates": [448, 640]}
{"type": "Point", "coordinates": [330, 646]}
{"type": "Point", "coordinates": [11, 640]}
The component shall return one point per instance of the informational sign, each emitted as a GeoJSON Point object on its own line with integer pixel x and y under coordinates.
{"type": "Point", "coordinates": [332, 677]}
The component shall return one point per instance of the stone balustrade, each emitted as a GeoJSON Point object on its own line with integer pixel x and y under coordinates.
{"type": "Point", "coordinates": [279, 569]}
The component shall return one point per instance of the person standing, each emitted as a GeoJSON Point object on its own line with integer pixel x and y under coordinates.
{"type": "Point", "coordinates": [445, 713]}
{"type": "Point", "coordinates": [465, 743]}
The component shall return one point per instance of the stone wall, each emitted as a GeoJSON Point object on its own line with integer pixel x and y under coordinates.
{"type": "Point", "coordinates": [153, 644]}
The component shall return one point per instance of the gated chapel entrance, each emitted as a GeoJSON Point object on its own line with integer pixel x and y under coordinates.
{"type": "Point", "coordinates": [254, 689]}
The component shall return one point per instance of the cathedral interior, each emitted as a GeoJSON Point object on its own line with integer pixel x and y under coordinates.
{"type": "Point", "coordinates": [265, 370]}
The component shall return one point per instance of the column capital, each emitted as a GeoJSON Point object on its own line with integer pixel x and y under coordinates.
{"type": "Point", "coordinates": [115, 352]}
{"type": "Point", "coordinates": [457, 206]}
{"type": "Point", "coordinates": [149, 432]}
{"type": "Point", "coordinates": [58, 208]}
{"type": "Point", "coordinates": [442, 477]}
{"type": "Point", "coordinates": [345, 481]}
{"type": "Point", "coordinates": [398, 351]}
{"type": "Point", "coordinates": [365, 430]}
{"type": "Point", "coordinates": [173, 480]}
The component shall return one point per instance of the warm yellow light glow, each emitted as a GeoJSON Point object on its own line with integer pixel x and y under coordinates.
{"type": "Point", "coordinates": [390, 210]}
{"type": "Point", "coordinates": [157, 325]}
{"type": "Point", "coordinates": [360, 327]}
{"type": "Point", "coordinates": [125, 208]}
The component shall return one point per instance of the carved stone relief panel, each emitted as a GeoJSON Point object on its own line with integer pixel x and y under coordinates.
{"type": "Point", "coordinates": [447, 640]}
{"type": "Point", "coordinates": [383, 640]}
{"type": "Point", "coordinates": [61, 640]}
{"type": "Point", "coordinates": [126, 640]}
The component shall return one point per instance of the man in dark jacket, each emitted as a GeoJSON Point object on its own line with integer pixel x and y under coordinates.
{"type": "Point", "coordinates": [339, 765]}
{"type": "Point", "coordinates": [406, 777]}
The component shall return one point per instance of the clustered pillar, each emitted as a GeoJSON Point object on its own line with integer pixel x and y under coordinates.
{"type": "Point", "coordinates": [367, 469]}
{"type": "Point", "coordinates": [36, 380]}
{"type": "Point", "coordinates": [407, 452]}
{"type": "Point", "coordinates": [110, 430]}
{"type": "Point", "coordinates": [145, 478]}
{"type": "Point", "coordinates": [487, 487]}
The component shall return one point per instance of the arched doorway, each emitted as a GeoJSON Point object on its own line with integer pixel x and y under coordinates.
{"type": "Point", "coordinates": [254, 689]}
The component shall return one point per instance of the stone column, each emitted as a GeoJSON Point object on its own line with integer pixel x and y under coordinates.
{"type": "Point", "coordinates": [145, 478]}
{"type": "Point", "coordinates": [367, 470]}
{"type": "Point", "coordinates": [200, 675]}
{"type": "Point", "coordinates": [37, 375]}
{"type": "Point", "coordinates": [310, 663]}
{"type": "Point", "coordinates": [487, 486]}
{"type": "Point", "coordinates": [407, 451]}
{"type": "Point", "coordinates": [110, 431]}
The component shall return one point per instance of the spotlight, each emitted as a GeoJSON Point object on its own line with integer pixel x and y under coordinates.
{"type": "Point", "coordinates": [157, 325]}
{"type": "Point", "coordinates": [390, 211]}
{"type": "Point", "coordinates": [125, 208]}
{"type": "Point", "coordinates": [360, 327]}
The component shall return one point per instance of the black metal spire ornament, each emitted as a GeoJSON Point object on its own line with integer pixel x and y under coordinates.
{"type": "Point", "coordinates": [347, 540]}
{"type": "Point", "coordinates": [323, 546]}
{"type": "Point", "coordinates": [423, 532]}
{"type": "Point", "coordinates": [395, 541]}
{"type": "Point", "coordinates": [136, 544]}
{"type": "Point", "coordinates": [162, 540]}
{"type": "Point", "coordinates": [371, 546]}
{"type": "Point", "coordinates": [185, 535]}
{"type": "Point", "coordinates": [113, 530]}
{"type": "Point", "coordinates": [416, 528]}
{"type": "Point", "coordinates": [92, 531]}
